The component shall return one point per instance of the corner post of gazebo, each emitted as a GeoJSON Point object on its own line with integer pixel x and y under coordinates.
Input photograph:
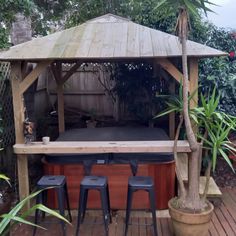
{"type": "Point", "coordinates": [19, 117]}
{"type": "Point", "coordinates": [57, 71]}
{"type": "Point", "coordinates": [193, 81]}
{"type": "Point", "coordinates": [19, 86]}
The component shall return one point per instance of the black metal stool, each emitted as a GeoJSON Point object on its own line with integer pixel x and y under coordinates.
{"type": "Point", "coordinates": [99, 183]}
{"type": "Point", "coordinates": [136, 183]}
{"type": "Point", "coordinates": [59, 183]}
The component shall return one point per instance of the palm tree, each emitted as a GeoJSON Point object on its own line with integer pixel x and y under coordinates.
{"type": "Point", "coordinates": [188, 199]}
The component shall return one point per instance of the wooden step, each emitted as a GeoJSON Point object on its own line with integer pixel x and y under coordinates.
{"type": "Point", "coordinates": [213, 191]}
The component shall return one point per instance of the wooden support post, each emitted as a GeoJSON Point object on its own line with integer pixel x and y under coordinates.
{"type": "Point", "coordinates": [172, 114]}
{"type": "Point", "coordinates": [18, 107]}
{"type": "Point", "coordinates": [60, 102]}
{"type": "Point", "coordinates": [57, 72]}
{"type": "Point", "coordinates": [193, 81]}
{"type": "Point", "coordinates": [116, 110]}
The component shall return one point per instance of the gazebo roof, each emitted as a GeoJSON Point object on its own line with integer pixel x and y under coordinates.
{"type": "Point", "coordinates": [106, 37]}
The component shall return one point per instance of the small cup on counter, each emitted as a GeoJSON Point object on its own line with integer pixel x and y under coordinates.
{"type": "Point", "coordinates": [46, 140]}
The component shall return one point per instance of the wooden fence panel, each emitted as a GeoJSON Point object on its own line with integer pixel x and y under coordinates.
{"type": "Point", "coordinates": [83, 92]}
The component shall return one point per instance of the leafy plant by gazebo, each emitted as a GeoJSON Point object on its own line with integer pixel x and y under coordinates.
{"type": "Point", "coordinates": [196, 221]}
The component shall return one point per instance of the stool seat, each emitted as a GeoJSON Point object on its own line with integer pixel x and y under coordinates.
{"type": "Point", "coordinates": [140, 182]}
{"type": "Point", "coordinates": [51, 181]}
{"type": "Point", "coordinates": [94, 181]}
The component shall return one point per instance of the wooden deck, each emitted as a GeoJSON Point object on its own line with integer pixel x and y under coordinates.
{"type": "Point", "coordinates": [223, 223]}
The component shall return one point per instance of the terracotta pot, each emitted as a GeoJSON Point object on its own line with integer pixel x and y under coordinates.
{"type": "Point", "coordinates": [188, 224]}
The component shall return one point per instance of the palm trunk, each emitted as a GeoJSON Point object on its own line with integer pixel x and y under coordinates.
{"type": "Point", "coordinates": [208, 175]}
{"type": "Point", "coordinates": [182, 190]}
{"type": "Point", "coordinates": [193, 199]}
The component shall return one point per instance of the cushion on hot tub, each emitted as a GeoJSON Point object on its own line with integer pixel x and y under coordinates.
{"type": "Point", "coordinates": [112, 134]}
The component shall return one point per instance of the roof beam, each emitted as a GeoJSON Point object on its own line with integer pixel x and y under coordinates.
{"type": "Point", "coordinates": [33, 75]}
{"type": "Point", "coordinates": [170, 68]}
{"type": "Point", "coordinates": [57, 71]}
{"type": "Point", "coordinates": [70, 72]}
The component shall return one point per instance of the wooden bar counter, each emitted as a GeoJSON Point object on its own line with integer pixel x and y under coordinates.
{"type": "Point", "coordinates": [112, 159]}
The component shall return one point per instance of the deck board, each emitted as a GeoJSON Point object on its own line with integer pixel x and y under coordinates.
{"type": "Point", "coordinates": [223, 223]}
{"type": "Point", "coordinates": [229, 218]}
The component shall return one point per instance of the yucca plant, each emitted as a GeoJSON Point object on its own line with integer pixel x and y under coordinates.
{"type": "Point", "coordinates": [175, 104]}
{"type": "Point", "coordinates": [213, 128]}
{"type": "Point", "coordinates": [15, 215]}
{"type": "Point", "coordinates": [184, 8]}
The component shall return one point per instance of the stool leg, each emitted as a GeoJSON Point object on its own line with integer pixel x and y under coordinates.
{"type": "Point", "coordinates": [108, 201]}
{"type": "Point", "coordinates": [153, 210]}
{"type": "Point", "coordinates": [128, 208]}
{"type": "Point", "coordinates": [67, 202]}
{"type": "Point", "coordinates": [39, 199]}
{"type": "Point", "coordinates": [44, 201]}
{"type": "Point", "coordinates": [61, 205]}
{"type": "Point", "coordinates": [80, 207]}
{"type": "Point", "coordinates": [104, 201]}
{"type": "Point", "coordinates": [84, 206]}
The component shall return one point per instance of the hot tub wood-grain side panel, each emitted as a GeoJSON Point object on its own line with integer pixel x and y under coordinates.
{"type": "Point", "coordinates": [118, 174]}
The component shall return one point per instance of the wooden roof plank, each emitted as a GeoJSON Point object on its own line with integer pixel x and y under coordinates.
{"type": "Point", "coordinates": [97, 44]}
{"type": "Point", "coordinates": [62, 43]}
{"type": "Point", "coordinates": [120, 34]}
{"type": "Point", "coordinates": [115, 37]}
{"type": "Point", "coordinates": [107, 46]}
{"type": "Point", "coordinates": [145, 42]}
{"type": "Point", "coordinates": [74, 42]}
{"type": "Point", "coordinates": [86, 41]}
{"type": "Point", "coordinates": [133, 48]}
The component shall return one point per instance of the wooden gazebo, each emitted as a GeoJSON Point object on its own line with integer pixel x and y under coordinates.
{"type": "Point", "coordinates": [108, 38]}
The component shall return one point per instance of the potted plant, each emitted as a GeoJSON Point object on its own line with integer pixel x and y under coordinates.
{"type": "Point", "coordinates": [91, 122]}
{"type": "Point", "coordinates": [190, 212]}
{"type": "Point", "coordinates": [213, 128]}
